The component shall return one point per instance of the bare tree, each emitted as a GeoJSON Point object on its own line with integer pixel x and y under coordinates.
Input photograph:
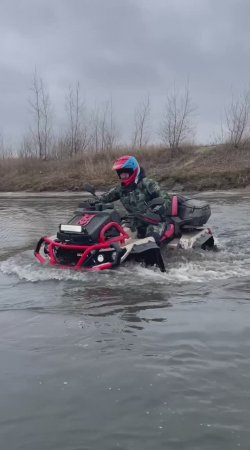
{"type": "Point", "coordinates": [41, 109]}
{"type": "Point", "coordinates": [94, 120]}
{"type": "Point", "coordinates": [6, 151]}
{"type": "Point", "coordinates": [238, 119]}
{"type": "Point", "coordinates": [73, 110]}
{"type": "Point", "coordinates": [111, 132]}
{"type": "Point", "coordinates": [78, 136]}
{"type": "Point", "coordinates": [2, 147]}
{"type": "Point", "coordinates": [103, 125]}
{"type": "Point", "coordinates": [141, 123]}
{"type": "Point", "coordinates": [26, 149]}
{"type": "Point", "coordinates": [177, 126]}
{"type": "Point", "coordinates": [105, 132]}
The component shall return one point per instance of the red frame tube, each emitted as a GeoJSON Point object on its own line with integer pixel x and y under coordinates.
{"type": "Point", "coordinates": [169, 233]}
{"type": "Point", "coordinates": [174, 206]}
{"type": "Point", "coordinates": [113, 225]}
{"type": "Point", "coordinates": [85, 248]}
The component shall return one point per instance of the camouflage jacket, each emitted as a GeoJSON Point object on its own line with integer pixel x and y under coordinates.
{"type": "Point", "coordinates": [135, 198]}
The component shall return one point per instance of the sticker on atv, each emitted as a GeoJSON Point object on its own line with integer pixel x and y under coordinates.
{"type": "Point", "coordinates": [86, 219]}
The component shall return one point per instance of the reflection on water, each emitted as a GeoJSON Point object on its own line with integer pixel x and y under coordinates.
{"type": "Point", "coordinates": [130, 359]}
{"type": "Point", "coordinates": [104, 302]}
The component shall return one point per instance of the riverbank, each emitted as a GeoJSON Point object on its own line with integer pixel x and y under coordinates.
{"type": "Point", "coordinates": [189, 169]}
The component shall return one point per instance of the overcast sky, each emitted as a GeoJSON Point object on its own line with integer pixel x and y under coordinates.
{"type": "Point", "coordinates": [125, 49]}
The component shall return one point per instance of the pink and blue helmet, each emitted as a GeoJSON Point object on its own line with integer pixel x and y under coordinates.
{"type": "Point", "coordinates": [130, 165]}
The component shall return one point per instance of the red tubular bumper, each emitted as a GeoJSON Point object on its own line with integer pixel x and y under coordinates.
{"type": "Point", "coordinates": [86, 249]}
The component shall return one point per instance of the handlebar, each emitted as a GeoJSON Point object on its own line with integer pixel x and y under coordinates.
{"type": "Point", "coordinates": [95, 205]}
{"type": "Point", "coordinates": [150, 215]}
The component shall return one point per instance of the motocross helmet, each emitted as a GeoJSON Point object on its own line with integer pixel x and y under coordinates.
{"type": "Point", "coordinates": [130, 165]}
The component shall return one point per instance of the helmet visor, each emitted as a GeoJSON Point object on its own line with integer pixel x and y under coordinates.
{"type": "Point", "coordinates": [124, 174]}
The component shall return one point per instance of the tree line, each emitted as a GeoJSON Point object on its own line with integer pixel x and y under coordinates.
{"type": "Point", "coordinates": [98, 131]}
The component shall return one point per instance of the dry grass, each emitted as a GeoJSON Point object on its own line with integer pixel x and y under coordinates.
{"type": "Point", "coordinates": [196, 168]}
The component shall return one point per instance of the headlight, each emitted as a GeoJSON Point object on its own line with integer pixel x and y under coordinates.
{"type": "Point", "coordinates": [100, 258]}
{"type": "Point", "coordinates": [71, 228]}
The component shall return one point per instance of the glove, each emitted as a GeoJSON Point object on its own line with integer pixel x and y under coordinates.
{"type": "Point", "coordinates": [160, 210]}
{"type": "Point", "coordinates": [89, 203]}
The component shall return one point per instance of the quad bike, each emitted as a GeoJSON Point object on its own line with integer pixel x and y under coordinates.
{"type": "Point", "coordinates": [95, 237]}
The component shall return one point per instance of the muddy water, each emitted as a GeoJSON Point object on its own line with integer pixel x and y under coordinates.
{"type": "Point", "coordinates": [131, 359]}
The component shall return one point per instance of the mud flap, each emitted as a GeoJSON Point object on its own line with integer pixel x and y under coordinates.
{"type": "Point", "coordinates": [38, 245]}
{"type": "Point", "coordinates": [119, 253]}
{"type": "Point", "coordinates": [208, 244]}
{"type": "Point", "coordinates": [150, 254]}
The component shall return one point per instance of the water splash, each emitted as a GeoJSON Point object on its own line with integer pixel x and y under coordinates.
{"type": "Point", "coordinates": [197, 267]}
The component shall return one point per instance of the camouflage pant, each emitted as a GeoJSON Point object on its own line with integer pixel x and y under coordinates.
{"type": "Point", "coordinates": [152, 230]}
{"type": "Point", "coordinates": [156, 231]}
{"type": "Point", "coordinates": [159, 229]}
{"type": "Point", "coordinates": [144, 229]}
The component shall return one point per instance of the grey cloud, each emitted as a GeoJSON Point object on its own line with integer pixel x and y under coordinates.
{"type": "Point", "coordinates": [126, 48]}
{"type": "Point", "coordinates": [123, 73]}
{"type": "Point", "coordinates": [29, 18]}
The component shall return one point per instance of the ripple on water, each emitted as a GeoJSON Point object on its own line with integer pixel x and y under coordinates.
{"type": "Point", "coordinates": [102, 358]}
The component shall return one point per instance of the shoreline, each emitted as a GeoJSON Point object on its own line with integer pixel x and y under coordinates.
{"type": "Point", "coordinates": [235, 192]}
{"type": "Point", "coordinates": [190, 169]}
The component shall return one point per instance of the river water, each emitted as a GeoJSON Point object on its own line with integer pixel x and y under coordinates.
{"type": "Point", "coordinates": [129, 359]}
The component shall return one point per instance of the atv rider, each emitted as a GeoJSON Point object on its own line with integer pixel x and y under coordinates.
{"type": "Point", "coordinates": [134, 193]}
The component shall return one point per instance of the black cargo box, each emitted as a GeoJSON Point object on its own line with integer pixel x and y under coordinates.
{"type": "Point", "coordinates": [193, 212]}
